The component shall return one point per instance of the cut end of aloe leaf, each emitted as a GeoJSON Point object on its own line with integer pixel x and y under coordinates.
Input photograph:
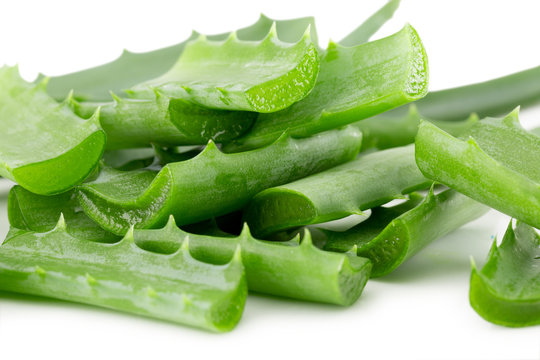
{"type": "Point", "coordinates": [416, 86]}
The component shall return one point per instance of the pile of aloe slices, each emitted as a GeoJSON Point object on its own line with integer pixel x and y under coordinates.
{"type": "Point", "coordinates": [170, 183]}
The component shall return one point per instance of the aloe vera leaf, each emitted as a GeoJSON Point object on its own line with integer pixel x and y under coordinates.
{"type": "Point", "coordinates": [391, 236]}
{"type": "Point", "coordinates": [292, 269]}
{"type": "Point", "coordinates": [507, 289]}
{"type": "Point", "coordinates": [211, 184]}
{"type": "Point", "coordinates": [390, 130]}
{"type": "Point", "coordinates": [134, 68]}
{"type": "Point", "coordinates": [124, 277]}
{"type": "Point", "coordinates": [370, 26]}
{"type": "Point", "coordinates": [44, 146]}
{"type": "Point", "coordinates": [369, 181]}
{"type": "Point", "coordinates": [496, 165]}
{"type": "Point", "coordinates": [363, 81]}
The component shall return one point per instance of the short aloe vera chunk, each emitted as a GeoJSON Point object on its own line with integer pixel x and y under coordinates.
{"type": "Point", "coordinates": [369, 181]}
{"type": "Point", "coordinates": [495, 163]}
{"type": "Point", "coordinates": [354, 83]}
{"type": "Point", "coordinates": [211, 184]}
{"type": "Point", "coordinates": [44, 146]}
{"type": "Point", "coordinates": [122, 276]}
{"type": "Point", "coordinates": [392, 235]}
{"type": "Point", "coordinates": [507, 289]}
{"type": "Point", "coordinates": [292, 269]}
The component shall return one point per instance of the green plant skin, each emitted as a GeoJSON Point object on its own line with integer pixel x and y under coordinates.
{"type": "Point", "coordinates": [507, 289]}
{"type": "Point", "coordinates": [369, 181]}
{"type": "Point", "coordinates": [124, 277]}
{"type": "Point", "coordinates": [263, 76]}
{"type": "Point", "coordinates": [389, 130]}
{"type": "Point", "coordinates": [43, 145]}
{"type": "Point", "coordinates": [131, 69]}
{"type": "Point", "coordinates": [364, 80]}
{"type": "Point", "coordinates": [496, 165]}
{"type": "Point", "coordinates": [290, 269]}
{"type": "Point", "coordinates": [393, 235]}
{"type": "Point", "coordinates": [211, 184]}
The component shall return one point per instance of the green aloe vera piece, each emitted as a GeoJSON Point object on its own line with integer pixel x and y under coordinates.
{"type": "Point", "coordinates": [363, 81]}
{"type": "Point", "coordinates": [44, 146]}
{"type": "Point", "coordinates": [122, 276]}
{"type": "Point", "coordinates": [369, 181]}
{"type": "Point", "coordinates": [292, 269]}
{"type": "Point", "coordinates": [507, 289]}
{"type": "Point", "coordinates": [211, 184]}
{"type": "Point", "coordinates": [495, 163]}
{"type": "Point", "coordinates": [131, 69]}
{"type": "Point", "coordinates": [392, 235]}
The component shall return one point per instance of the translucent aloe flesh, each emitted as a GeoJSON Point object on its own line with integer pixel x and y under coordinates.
{"type": "Point", "coordinates": [369, 181]}
{"type": "Point", "coordinates": [353, 83]}
{"type": "Point", "coordinates": [211, 184]}
{"type": "Point", "coordinates": [44, 146]}
{"type": "Point", "coordinates": [494, 163]}
{"type": "Point", "coordinates": [124, 277]}
{"type": "Point", "coordinates": [292, 269]}
{"type": "Point", "coordinates": [392, 235]}
{"type": "Point", "coordinates": [507, 289]}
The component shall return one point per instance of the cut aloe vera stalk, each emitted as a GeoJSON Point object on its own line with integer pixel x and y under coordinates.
{"type": "Point", "coordinates": [354, 83]}
{"type": "Point", "coordinates": [392, 235]}
{"type": "Point", "coordinates": [507, 289]}
{"type": "Point", "coordinates": [495, 165]}
{"type": "Point", "coordinates": [44, 146]}
{"type": "Point", "coordinates": [371, 180]}
{"type": "Point", "coordinates": [292, 269]}
{"type": "Point", "coordinates": [210, 184]}
{"type": "Point", "coordinates": [124, 277]}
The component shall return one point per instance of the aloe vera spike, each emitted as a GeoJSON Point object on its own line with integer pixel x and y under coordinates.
{"type": "Point", "coordinates": [506, 291]}
{"type": "Point", "coordinates": [495, 165]}
{"type": "Point", "coordinates": [212, 183]}
{"type": "Point", "coordinates": [44, 146]}
{"type": "Point", "coordinates": [369, 181]}
{"type": "Point", "coordinates": [371, 25]}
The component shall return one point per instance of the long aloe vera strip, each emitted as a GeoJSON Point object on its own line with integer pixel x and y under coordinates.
{"type": "Point", "coordinates": [392, 235]}
{"type": "Point", "coordinates": [292, 269]}
{"type": "Point", "coordinates": [496, 165]}
{"type": "Point", "coordinates": [507, 289]}
{"type": "Point", "coordinates": [211, 184]}
{"type": "Point", "coordinates": [134, 68]}
{"type": "Point", "coordinates": [369, 181]}
{"type": "Point", "coordinates": [124, 277]}
{"type": "Point", "coordinates": [44, 146]}
{"type": "Point", "coordinates": [353, 83]}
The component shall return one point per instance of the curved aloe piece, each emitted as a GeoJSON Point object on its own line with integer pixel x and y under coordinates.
{"type": "Point", "coordinates": [363, 81]}
{"type": "Point", "coordinates": [44, 146]}
{"type": "Point", "coordinates": [496, 165]}
{"type": "Point", "coordinates": [392, 235]}
{"type": "Point", "coordinates": [134, 68]}
{"type": "Point", "coordinates": [124, 277]}
{"type": "Point", "coordinates": [291, 269]}
{"type": "Point", "coordinates": [507, 289]}
{"type": "Point", "coordinates": [371, 180]}
{"type": "Point", "coordinates": [210, 184]}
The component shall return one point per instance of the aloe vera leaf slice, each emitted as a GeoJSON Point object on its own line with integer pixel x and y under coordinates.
{"type": "Point", "coordinates": [371, 25]}
{"type": "Point", "coordinates": [44, 146]}
{"type": "Point", "coordinates": [291, 269]}
{"type": "Point", "coordinates": [134, 68]}
{"type": "Point", "coordinates": [363, 81]}
{"type": "Point", "coordinates": [369, 181]}
{"type": "Point", "coordinates": [506, 291]}
{"type": "Point", "coordinates": [496, 165]}
{"type": "Point", "coordinates": [211, 184]}
{"type": "Point", "coordinates": [391, 236]}
{"type": "Point", "coordinates": [124, 277]}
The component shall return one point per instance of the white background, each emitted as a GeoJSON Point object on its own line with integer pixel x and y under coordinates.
{"type": "Point", "coordinates": [419, 312]}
